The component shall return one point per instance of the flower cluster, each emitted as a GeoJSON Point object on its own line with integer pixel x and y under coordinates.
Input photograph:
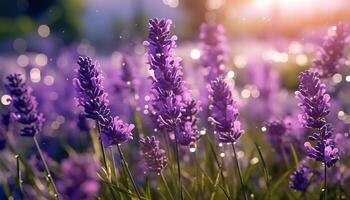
{"type": "Point", "coordinates": [214, 49]}
{"type": "Point", "coordinates": [88, 83]}
{"type": "Point", "coordinates": [115, 131]}
{"type": "Point", "coordinates": [169, 94]}
{"type": "Point", "coordinates": [324, 150]}
{"type": "Point", "coordinates": [93, 99]}
{"type": "Point", "coordinates": [188, 132]}
{"type": "Point", "coordinates": [125, 80]}
{"type": "Point", "coordinates": [224, 112]}
{"type": "Point", "coordinates": [315, 105]}
{"type": "Point", "coordinates": [153, 154]}
{"type": "Point", "coordinates": [330, 55]}
{"type": "Point", "coordinates": [275, 131]}
{"type": "Point", "coordinates": [167, 82]}
{"type": "Point", "coordinates": [299, 179]}
{"type": "Point", "coordinates": [25, 105]}
{"type": "Point", "coordinates": [127, 67]}
{"type": "Point", "coordinates": [313, 100]}
{"type": "Point", "coordinates": [79, 178]}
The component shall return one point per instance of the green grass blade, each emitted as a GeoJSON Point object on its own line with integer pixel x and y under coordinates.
{"type": "Point", "coordinates": [279, 182]}
{"type": "Point", "coordinates": [266, 171]}
{"type": "Point", "coordinates": [226, 191]}
{"type": "Point", "coordinates": [295, 155]}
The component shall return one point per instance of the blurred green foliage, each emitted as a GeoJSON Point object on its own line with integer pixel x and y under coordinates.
{"type": "Point", "coordinates": [22, 17]}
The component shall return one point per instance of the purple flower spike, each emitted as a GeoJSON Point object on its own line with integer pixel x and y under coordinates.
{"type": "Point", "coordinates": [170, 104]}
{"type": "Point", "coordinates": [127, 73]}
{"type": "Point", "coordinates": [299, 179]}
{"type": "Point", "coordinates": [167, 86]}
{"type": "Point", "coordinates": [276, 131]}
{"type": "Point", "coordinates": [116, 132]}
{"type": "Point", "coordinates": [188, 132]}
{"type": "Point", "coordinates": [313, 100]}
{"type": "Point", "coordinates": [315, 105]}
{"type": "Point", "coordinates": [214, 49]}
{"type": "Point", "coordinates": [224, 112]}
{"type": "Point", "coordinates": [161, 50]}
{"type": "Point", "coordinates": [92, 96]}
{"type": "Point", "coordinates": [153, 154]}
{"type": "Point", "coordinates": [93, 99]}
{"type": "Point", "coordinates": [25, 105]}
{"type": "Point", "coordinates": [330, 55]}
{"type": "Point", "coordinates": [325, 150]}
{"type": "Point", "coordinates": [79, 178]}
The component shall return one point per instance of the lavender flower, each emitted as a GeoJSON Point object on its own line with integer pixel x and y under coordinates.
{"type": "Point", "coordinates": [79, 179]}
{"type": "Point", "coordinates": [125, 78]}
{"type": "Point", "coordinates": [315, 105]}
{"type": "Point", "coordinates": [93, 99]}
{"type": "Point", "coordinates": [324, 150]}
{"type": "Point", "coordinates": [330, 55]}
{"type": "Point", "coordinates": [25, 104]}
{"type": "Point", "coordinates": [313, 100]}
{"type": "Point", "coordinates": [168, 87]}
{"type": "Point", "coordinates": [299, 179]}
{"type": "Point", "coordinates": [153, 154]}
{"type": "Point", "coordinates": [224, 112]}
{"type": "Point", "coordinates": [214, 49]}
{"type": "Point", "coordinates": [92, 96]}
{"type": "Point", "coordinates": [127, 75]}
{"type": "Point", "coordinates": [115, 132]}
{"type": "Point", "coordinates": [188, 132]}
{"type": "Point", "coordinates": [276, 131]}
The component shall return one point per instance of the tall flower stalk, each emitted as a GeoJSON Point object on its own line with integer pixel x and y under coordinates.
{"type": "Point", "coordinates": [155, 158]}
{"type": "Point", "coordinates": [214, 50]}
{"type": "Point", "coordinates": [79, 179]}
{"type": "Point", "coordinates": [315, 104]}
{"type": "Point", "coordinates": [330, 54]}
{"type": "Point", "coordinates": [93, 98]}
{"type": "Point", "coordinates": [26, 114]}
{"type": "Point", "coordinates": [225, 119]}
{"type": "Point", "coordinates": [170, 98]}
{"type": "Point", "coordinates": [299, 179]}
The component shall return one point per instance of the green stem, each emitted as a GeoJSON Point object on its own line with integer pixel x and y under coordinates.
{"type": "Point", "coordinates": [138, 125]}
{"type": "Point", "coordinates": [19, 177]}
{"type": "Point", "coordinates": [239, 171]}
{"type": "Point", "coordinates": [166, 186]}
{"type": "Point", "coordinates": [220, 167]}
{"type": "Point", "coordinates": [103, 153]}
{"type": "Point", "coordinates": [178, 165]}
{"type": "Point", "coordinates": [128, 171]}
{"type": "Point", "coordinates": [114, 173]}
{"type": "Point", "coordinates": [48, 173]}
{"type": "Point", "coordinates": [114, 168]}
{"type": "Point", "coordinates": [197, 172]}
{"type": "Point", "coordinates": [104, 159]}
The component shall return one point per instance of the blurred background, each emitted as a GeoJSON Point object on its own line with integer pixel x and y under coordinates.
{"type": "Point", "coordinates": [42, 39]}
{"type": "Point", "coordinates": [108, 24]}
